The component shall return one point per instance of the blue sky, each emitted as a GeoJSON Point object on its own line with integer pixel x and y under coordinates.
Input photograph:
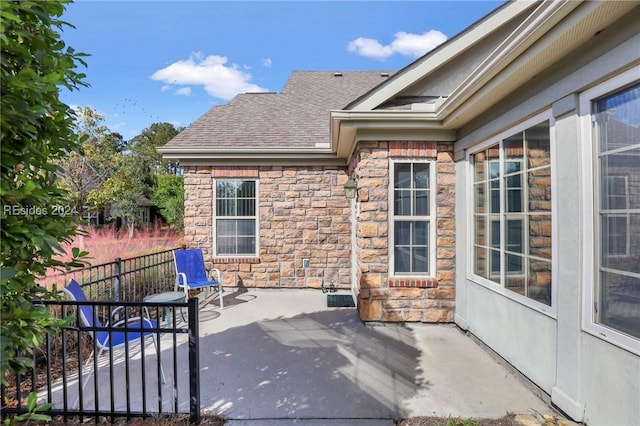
{"type": "Point", "coordinates": [171, 61]}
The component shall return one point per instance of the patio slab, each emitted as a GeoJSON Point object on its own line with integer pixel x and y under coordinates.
{"type": "Point", "coordinates": [283, 357]}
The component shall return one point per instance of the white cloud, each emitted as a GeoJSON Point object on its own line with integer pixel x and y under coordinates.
{"type": "Point", "coordinates": [414, 45]}
{"type": "Point", "coordinates": [185, 91]}
{"type": "Point", "coordinates": [266, 63]}
{"type": "Point", "coordinates": [218, 78]}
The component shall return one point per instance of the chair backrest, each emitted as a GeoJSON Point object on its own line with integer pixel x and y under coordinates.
{"type": "Point", "coordinates": [75, 293]}
{"type": "Point", "coordinates": [86, 313]}
{"type": "Point", "coordinates": [191, 263]}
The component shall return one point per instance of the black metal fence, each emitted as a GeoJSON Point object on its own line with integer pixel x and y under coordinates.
{"type": "Point", "coordinates": [144, 370]}
{"type": "Point", "coordinates": [123, 279]}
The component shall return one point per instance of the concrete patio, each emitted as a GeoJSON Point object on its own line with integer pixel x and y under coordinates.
{"type": "Point", "coordinates": [278, 357]}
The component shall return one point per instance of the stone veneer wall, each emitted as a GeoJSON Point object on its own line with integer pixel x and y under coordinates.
{"type": "Point", "coordinates": [402, 299]}
{"type": "Point", "coordinates": [303, 213]}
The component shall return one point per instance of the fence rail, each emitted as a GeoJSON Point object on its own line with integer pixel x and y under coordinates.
{"type": "Point", "coordinates": [123, 382]}
{"type": "Point", "coordinates": [127, 279]}
{"type": "Point", "coordinates": [121, 386]}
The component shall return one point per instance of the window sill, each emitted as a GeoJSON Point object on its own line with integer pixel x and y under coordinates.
{"type": "Point", "coordinates": [413, 282]}
{"type": "Point", "coordinates": [613, 337]}
{"type": "Point", "coordinates": [549, 311]}
{"type": "Point", "coordinates": [236, 260]}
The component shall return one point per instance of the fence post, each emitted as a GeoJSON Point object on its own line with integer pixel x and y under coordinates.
{"type": "Point", "coordinates": [194, 361]}
{"type": "Point", "coordinates": [117, 276]}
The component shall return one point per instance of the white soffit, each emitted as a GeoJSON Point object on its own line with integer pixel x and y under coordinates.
{"type": "Point", "coordinates": [549, 36]}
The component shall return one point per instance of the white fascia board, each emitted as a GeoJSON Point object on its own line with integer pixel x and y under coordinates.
{"type": "Point", "coordinates": [246, 155]}
{"type": "Point", "coordinates": [544, 18]}
{"type": "Point", "coordinates": [349, 126]}
{"type": "Point", "coordinates": [432, 61]}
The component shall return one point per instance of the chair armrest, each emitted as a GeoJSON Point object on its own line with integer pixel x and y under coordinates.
{"type": "Point", "coordinates": [180, 277]}
{"type": "Point", "coordinates": [145, 316]}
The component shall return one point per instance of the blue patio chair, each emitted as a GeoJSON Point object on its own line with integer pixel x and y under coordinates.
{"type": "Point", "coordinates": [191, 273]}
{"type": "Point", "coordinates": [105, 340]}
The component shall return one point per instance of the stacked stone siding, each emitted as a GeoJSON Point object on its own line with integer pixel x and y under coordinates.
{"type": "Point", "coordinates": [384, 298]}
{"type": "Point", "coordinates": [303, 213]}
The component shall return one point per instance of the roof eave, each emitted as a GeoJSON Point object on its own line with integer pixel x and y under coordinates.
{"type": "Point", "coordinates": [348, 127]}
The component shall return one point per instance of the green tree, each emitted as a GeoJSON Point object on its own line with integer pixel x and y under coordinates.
{"type": "Point", "coordinates": [88, 168]}
{"type": "Point", "coordinates": [144, 147]}
{"type": "Point", "coordinates": [36, 130]}
{"type": "Point", "coordinates": [169, 197]}
{"type": "Point", "coordinates": [137, 175]}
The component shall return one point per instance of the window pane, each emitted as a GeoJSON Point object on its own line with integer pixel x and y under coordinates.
{"type": "Point", "coordinates": [620, 306]}
{"type": "Point", "coordinates": [539, 184]}
{"type": "Point", "coordinates": [402, 260]}
{"type": "Point", "coordinates": [480, 166]}
{"type": "Point", "coordinates": [538, 146]}
{"type": "Point", "coordinates": [539, 287]}
{"type": "Point", "coordinates": [479, 191]}
{"type": "Point", "coordinates": [246, 245]}
{"type": "Point", "coordinates": [481, 230]}
{"type": "Point", "coordinates": [617, 119]}
{"type": "Point", "coordinates": [514, 264]}
{"type": "Point", "coordinates": [620, 176]}
{"type": "Point", "coordinates": [513, 189]}
{"type": "Point", "coordinates": [514, 235]}
{"type": "Point", "coordinates": [246, 227]}
{"type": "Point", "coordinates": [421, 203]}
{"type": "Point", "coordinates": [540, 236]}
{"type": "Point", "coordinates": [402, 203]}
{"type": "Point", "coordinates": [513, 147]}
{"type": "Point", "coordinates": [480, 263]}
{"type": "Point", "coordinates": [495, 233]}
{"type": "Point", "coordinates": [402, 233]}
{"type": "Point", "coordinates": [494, 274]}
{"type": "Point", "coordinates": [402, 175]}
{"type": "Point", "coordinates": [225, 227]}
{"type": "Point", "coordinates": [421, 233]}
{"type": "Point", "coordinates": [515, 283]}
{"type": "Point", "coordinates": [495, 196]}
{"type": "Point", "coordinates": [420, 260]}
{"type": "Point", "coordinates": [421, 175]}
{"type": "Point", "coordinates": [225, 207]}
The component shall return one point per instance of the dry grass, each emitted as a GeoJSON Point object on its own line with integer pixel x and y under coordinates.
{"type": "Point", "coordinates": [105, 244]}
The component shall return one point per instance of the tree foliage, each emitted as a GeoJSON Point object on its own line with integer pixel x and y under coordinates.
{"type": "Point", "coordinates": [169, 197]}
{"type": "Point", "coordinates": [37, 133]}
{"type": "Point", "coordinates": [87, 168]}
{"type": "Point", "coordinates": [138, 172]}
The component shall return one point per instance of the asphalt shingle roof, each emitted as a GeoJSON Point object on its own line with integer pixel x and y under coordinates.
{"type": "Point", "coordinates": [297, 117]}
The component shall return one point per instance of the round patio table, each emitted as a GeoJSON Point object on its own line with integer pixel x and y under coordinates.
{"type": "Point", "coordinates": [167, 297]}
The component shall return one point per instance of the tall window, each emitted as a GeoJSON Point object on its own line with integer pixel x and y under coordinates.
{"type": "Point", "coordinates": [512, 213]}
{"type": "Point", "coordinates": [235, 217]}
{"type": "Point", "coordinates": [616, 132]}
{"type": "Point", "coordinates": [412, 218]}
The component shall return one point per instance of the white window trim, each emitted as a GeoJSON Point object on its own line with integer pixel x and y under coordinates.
{"type": "Point", "coordinates": [432, 218]}
{"type": "Point", "coordinates": [590, 223]}
{"type": "Point", "coordinates": [550, 311]}
{"type": "Point", "coordinates": [214, 217]}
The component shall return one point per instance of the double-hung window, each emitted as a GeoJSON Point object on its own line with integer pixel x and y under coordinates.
{"type": "Point", "coordinates": [511, 225]}
{"type": "Point", "coordinates": [235, 215]}
{"type": "Point", "coordinates": [412, 218]}
{"type": "Point", "coordinates": [613, 109]}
